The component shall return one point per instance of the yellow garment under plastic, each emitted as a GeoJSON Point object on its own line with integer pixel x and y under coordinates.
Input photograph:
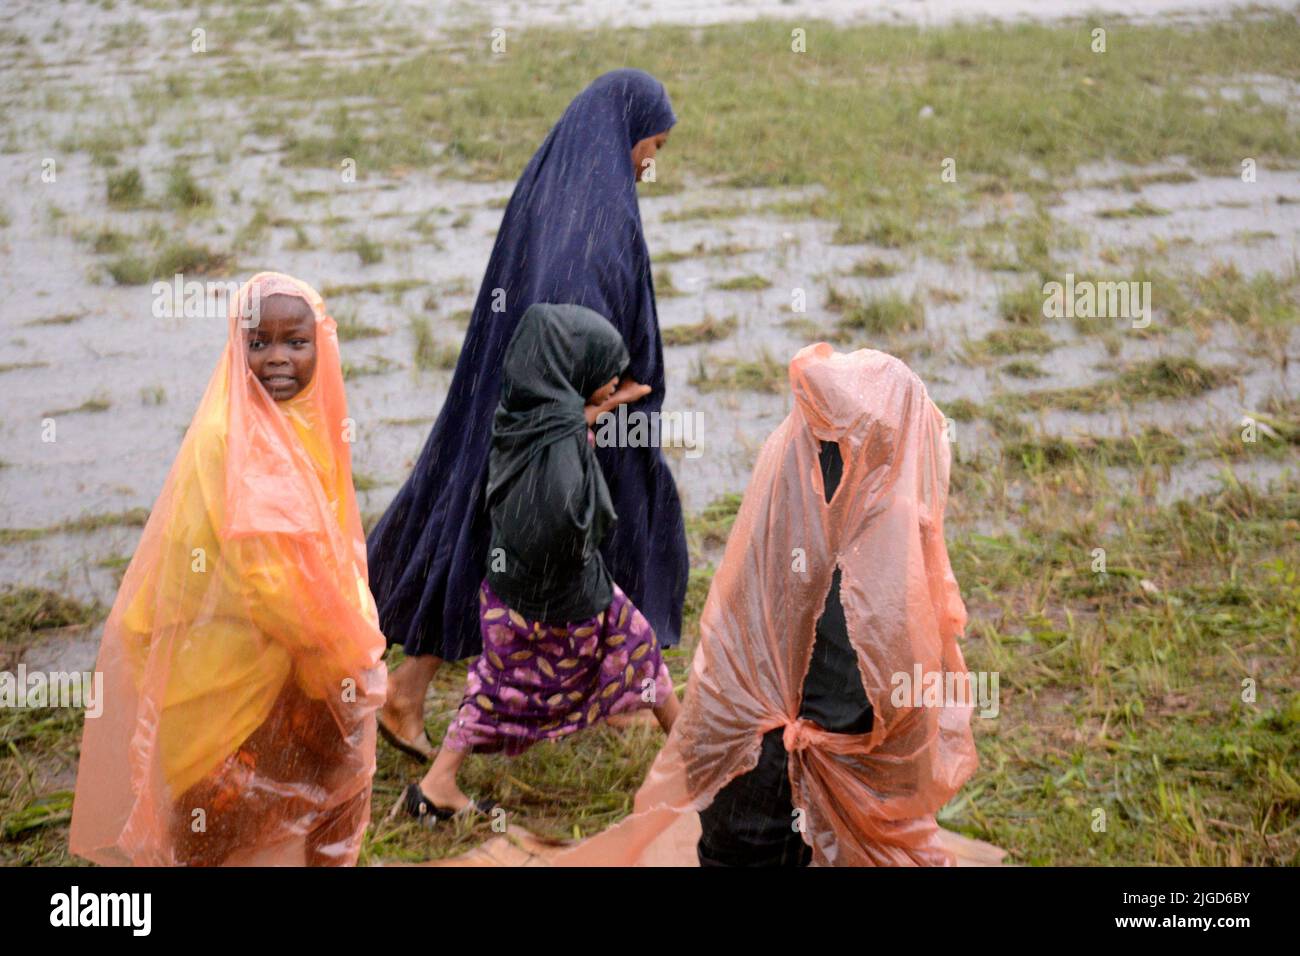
{"type": "Point", "coordinates": [246, 597]}
{"type": "Point", "coordinates": [867, 799]}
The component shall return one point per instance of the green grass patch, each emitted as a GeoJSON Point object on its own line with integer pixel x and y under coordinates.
{"type": "Point", "coordinates": [350, 328]}
{"type": "Point", "coordinates": [1161, 378]}
{"type": "Point", "coordinates": [429, 354]}
{"type": "Point", "coordinates": [752, 283]}
{"type": "Point", "coordinates": [367, 250]}
{"type": "Point", "coordinates": [29, 610]}
{"type": "Point", "coordinates": [390, 286]}
{"type": "Point", "coordinates": [873, 268]}
{"type": "Point", "coordinates": [177, 257]}
{"type": "Point", "coordinates": [702, 250]}
{"type": "Point", "coordinates": [731, 211]}
{"type": "Point", "coordinates": [1016, 340]}
{"type": "Point", "coordinates": [1224, 293]}
{"type": "Point", "coordinates": [125, 189]}
{"type": "Point", "coordinates": [709, 528]}
{"type": "Point", "coordinates": [1022, 305]}
{"type": "Point", "coordinates": [184, 191]}
{"type": "Point", "coordinates": [888, 230]}
{"type": "Point", "coordinates": [961, 409]}
{"type": "Point", "coordinates": [1128, 694]}
{"type": "Point", "coordinates": [709, 329]}
{"type": "Point", "coordinates": [347, 138]}
{"type": "Point", "coordinates": [131, 518]}
{"type": "Point", "coordinates": [1139, 210]}
{"type": "Point", "coordinates": [764, 374]}
{"type": "Point", "coordinates": [888, 314]}
{"type": "Point", "coordinates": [64, 318]}
{"type": "Point", "coordinates": [1153, 446]}
{"type": "Point", "coordinates": [373, 365]}
{"type": "Point", "coordinates": [1024, 368]}
{"type": "Point", "coordinates": [664, 286]}
{"type": "Point", "coordinates": [1136, 182]}
{"type": "Point", "coordinates": [89, 406]}
{"type": "Point", "coordinates": [851, 130]}
{"type": "Point", "coordinates": [19, 366]}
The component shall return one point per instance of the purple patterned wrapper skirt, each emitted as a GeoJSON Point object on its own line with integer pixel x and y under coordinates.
{"type": "Point", "coordinates": [537, 681]}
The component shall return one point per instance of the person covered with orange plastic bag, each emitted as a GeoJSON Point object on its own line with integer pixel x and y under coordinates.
{"type": "Point", "coordinates": [793, 746]}
{"type": "Point", "coordinates": [242, 658]}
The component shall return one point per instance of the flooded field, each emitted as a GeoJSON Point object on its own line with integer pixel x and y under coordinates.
{"type": "Point", "coordinates": [133, 158]}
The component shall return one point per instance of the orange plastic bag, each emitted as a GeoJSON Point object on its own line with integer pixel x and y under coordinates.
{"type": "Point", "coordinates": [242, 658]}
{"type": "Point", "coordinates": [867, 799]}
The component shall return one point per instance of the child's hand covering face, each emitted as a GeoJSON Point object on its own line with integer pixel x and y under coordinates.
{"type": "Point", "coordinates": [613, 394]}
{"type": "Point", "coordinates": [281, 347]}
{"type": "Point", "coordinates": [603, 394]}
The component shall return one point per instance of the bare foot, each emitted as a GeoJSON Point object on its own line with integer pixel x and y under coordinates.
{"type": "Point", "coordinates": [402, 715]}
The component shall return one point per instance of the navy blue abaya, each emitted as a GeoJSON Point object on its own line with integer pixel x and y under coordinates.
{"type": "Point", "coordinates": [570, 234]}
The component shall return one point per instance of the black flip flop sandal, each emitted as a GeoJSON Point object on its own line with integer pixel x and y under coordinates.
{"type": "Point", "coordinates": [399, 744]}
{"type": "Point", "coordinates": [417, 806]}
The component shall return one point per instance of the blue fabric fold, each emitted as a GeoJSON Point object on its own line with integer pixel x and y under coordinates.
{"type": "Point", "coordinates": [571, 233]}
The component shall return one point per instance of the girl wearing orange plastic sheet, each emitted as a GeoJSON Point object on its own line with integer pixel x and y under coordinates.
{"type": "Point", "coordinates": [792, 745]}
{"type": "Point", "coordinates": [241, 660]}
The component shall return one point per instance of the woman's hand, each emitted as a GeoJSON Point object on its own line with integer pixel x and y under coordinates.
{"type": "Point", "coordinates": [628, 391]}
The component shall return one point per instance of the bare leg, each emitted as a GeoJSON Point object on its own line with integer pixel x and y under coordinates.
{"type": "Point", "coordinates": [408, 683]}
{"type": "Point", "coordinates": [439, 784]}
{"type": "Point", "coordinates": [666, 711]}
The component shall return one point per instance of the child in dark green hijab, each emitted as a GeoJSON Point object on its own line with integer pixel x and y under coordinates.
{"type": "Point", "coordinates": [563, 647]}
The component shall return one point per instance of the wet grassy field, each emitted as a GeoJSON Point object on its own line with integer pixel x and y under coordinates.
{"type": "Point", "coordinates": [1164, 692]}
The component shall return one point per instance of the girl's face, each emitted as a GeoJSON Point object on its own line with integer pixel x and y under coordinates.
{"type": "Point", "coordinates": [603, 394]}
{"type": "Point", "coordinates": [646, 149]}
{"type": "Point", "coordinates": [281, 348]}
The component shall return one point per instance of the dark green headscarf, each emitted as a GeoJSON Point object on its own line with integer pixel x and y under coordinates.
{"type": "Point", "coordinates": [548, 500]}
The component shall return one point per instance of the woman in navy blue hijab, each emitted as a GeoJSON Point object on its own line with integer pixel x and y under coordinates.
{"type": "Point", "coordinates": [570, 234]}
